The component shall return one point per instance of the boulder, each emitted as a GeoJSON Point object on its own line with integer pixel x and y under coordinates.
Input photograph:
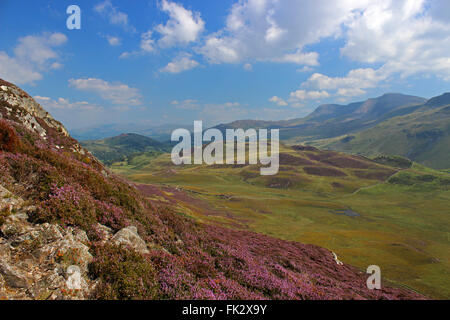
{"type": "Point", "coordinates": [12, 276]}
{"type": "Point", "coordinates": [129, 237]}
{"type": "Point", "coordinates": [15, 225]}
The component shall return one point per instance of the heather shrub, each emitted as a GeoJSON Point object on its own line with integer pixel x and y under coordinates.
{"type": "Point", "coordinates": [68, 205]}
{"type": "Point", "coordinates": [124, 274]}
{"type": "Point", "coordinates": [111, 215]}
{"type": "Point", "coordinates": [8, 137]}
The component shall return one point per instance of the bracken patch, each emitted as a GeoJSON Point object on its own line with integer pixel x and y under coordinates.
{"type": "Point", "coordinates": [324, 172]}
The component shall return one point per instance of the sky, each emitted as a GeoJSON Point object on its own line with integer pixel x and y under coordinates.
{"type": "Point", "coordinates": [156, 62]}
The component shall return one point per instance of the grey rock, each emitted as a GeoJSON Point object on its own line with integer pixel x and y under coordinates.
{"type": "Point", "coordinates": [12, 276]}
{"type": "Point", "coordinates": [15, 225]}
{"type": "Point", "coordinates": [14, 96]}
{"type": "Point", "coordinates": [129, 237]}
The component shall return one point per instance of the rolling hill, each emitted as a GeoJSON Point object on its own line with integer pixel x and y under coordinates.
{"type": "Point", "coordinates": [123, 147]}
{"type": "Point", "coordinates": [332, 120]}
{"type": "Point", "coordinates": [422, 136]}
{"type": "Point", "coordinates": [418, 128]}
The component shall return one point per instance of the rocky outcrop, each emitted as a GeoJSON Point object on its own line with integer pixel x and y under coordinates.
{"type": "Point", "coordinates": [8, 200]}
{"type": "Point", "coordinates": [48, 261]}
{"type": "Point", "coordinates": [42, 261]}
{"type": "Point", "coordinates": [20, 105]}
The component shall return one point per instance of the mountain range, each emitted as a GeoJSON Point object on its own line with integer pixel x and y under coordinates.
{"type": "Point", "coordinates": [421, 128]}
{"type": "Point", "coordinates": [418, 128]}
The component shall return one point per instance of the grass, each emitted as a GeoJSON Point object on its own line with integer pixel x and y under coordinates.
{"type": "Point", "coordinates": [402, 227]}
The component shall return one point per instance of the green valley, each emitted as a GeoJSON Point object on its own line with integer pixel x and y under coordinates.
{"type": "Point", "coordinates": [389, 212]}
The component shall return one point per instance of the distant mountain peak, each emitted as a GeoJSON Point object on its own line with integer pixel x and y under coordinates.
{"type": "Point", "coordinates": [370, 108]}
{"type": "Point", "coordinates": [442, 100]}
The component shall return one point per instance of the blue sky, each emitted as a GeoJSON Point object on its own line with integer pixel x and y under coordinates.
{"type": "Point", "coordinates": [154, 62]}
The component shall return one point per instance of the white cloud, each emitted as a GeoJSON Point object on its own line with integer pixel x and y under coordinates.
{"type": "Point", "coordinates": [350, 92]}
{"type": "Point", "coordinates": [273, 30]}
{"type": "Point", "coordinates": [56, 66]}
{"type": "Point", "coordinates": [113, 41]}
{"type": "Point", "coordinates": [319, 86]}
{"type": "Point", "coordinates": [189, 104]}
{"type": "Point", "coordinates": [305, 69]}
{"type": "Point", "coordinates": [306, 95]}
{"type": "Point", "coordinates": [147, 45]}
{"type": "Point", "coordinates": [183, 27]}
{"type": "Point", "coordinates": [218, 50]}
{"type": "Point", "coordinates": [308, 59]}
{"type": "Point", "coordinates": [180, 64]}
{"type": "Point", "coordinates": [117, 93]}
{"type": "Point", "coordinates": [33, 55]}
{"type": "Point", "coordinates": [114, 16]}
{"type": "Point", "coordinates": [65, 104]}
{"type": "Point", "coordinates": [408, 37]}
{"type": "Point", "coordinates": [357, 78]}
{"type": "Point", "coordinates": [403, 37]}
{"type": "Point", "coordinates": [279, 101]}
{"type": "Point", "coordinates": [14, 71]}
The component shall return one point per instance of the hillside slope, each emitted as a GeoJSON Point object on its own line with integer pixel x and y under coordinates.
{"type": "Point", "coordinates": [124, 147]}
{"type": "Point", "coordinates": [422, 136]}
{"type": "Point", "coordinates": [73, 212]}
{"type": "Point", "coordinates": [389, 210]}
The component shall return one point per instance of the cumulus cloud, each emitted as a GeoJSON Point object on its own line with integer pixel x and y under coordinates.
{"type": "Point", "coordinates": [305, 95]}
{"type": "Point", "coordinates": [319, 86]}
{"type": "Point", "coordinates": [114, 15]}
{"type": "Point", "coordinates": [403, 37]}
{"type": "Point", "coordinates": [305, 69]}
{"type": "Point", "coordinates": [357, 78]}
{"type": "Point", "coordinates": [272, 30]}
{"type": "Point", "coordinates": [407, 37]}
{"type": "Point", "coordinates": [279, 101]}
{"type": "Point", "coordinates": [307, 59]}
{"type": "Point", "coordinates": [65, 104]}
{"type": "Point", "coordinates": [353, 84]}
{"type": "Point", "coordinates": [113, 41]}
{"type": "Point", "coordinates": [147, 45]}
{"type": "Point", "coordinates": [117, 93]}
{"type": "Point", "coordinates": [33, 55]}
{"type": "Point", "coordinates": [180, 64]}
{"type": "Point", "coordinates": [183, 27]}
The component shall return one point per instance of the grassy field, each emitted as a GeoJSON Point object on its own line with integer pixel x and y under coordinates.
{"type": "Point", "coordinates": [367, 213]}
